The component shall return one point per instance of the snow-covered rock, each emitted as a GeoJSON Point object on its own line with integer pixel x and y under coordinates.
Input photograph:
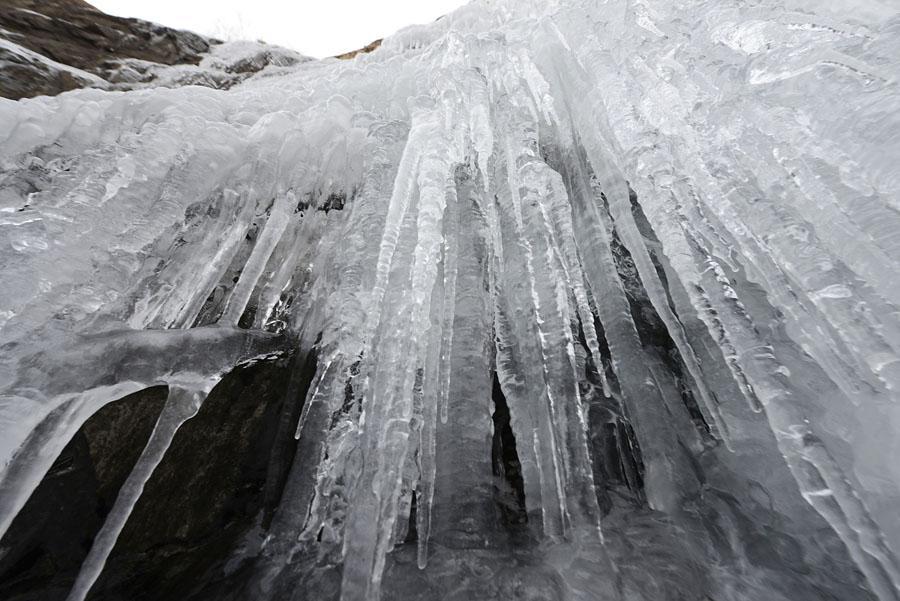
{"type": "Point", "coordinates": [51, 46]}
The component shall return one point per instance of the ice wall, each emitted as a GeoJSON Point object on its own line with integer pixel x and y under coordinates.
{"type": "Point", "coordinates": [664, 236]}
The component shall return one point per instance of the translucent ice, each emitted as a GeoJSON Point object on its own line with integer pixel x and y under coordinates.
{"type": "Point", "coordinates": [596, 289]}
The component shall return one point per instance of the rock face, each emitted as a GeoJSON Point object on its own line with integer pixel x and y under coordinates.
{"type": "Point", "coordinates": [51, 46]}
{"type": "Point", "coordinates": [74, 34]}
{"type": "Point", "coordinates": [214, 493]}
{"type": "Point", "coordinates": [77, 34]}
{"type": "Point", "coordinates": [371, 47]}
{"type": "Point", "coordinates": [44, 548]}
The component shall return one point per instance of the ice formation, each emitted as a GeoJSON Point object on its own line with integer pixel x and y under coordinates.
{"type": "Point", "coordinates": [660, 239]}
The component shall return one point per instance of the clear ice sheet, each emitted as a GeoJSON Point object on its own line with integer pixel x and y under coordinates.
{"type": "Point", "coordinates": [665, 234]}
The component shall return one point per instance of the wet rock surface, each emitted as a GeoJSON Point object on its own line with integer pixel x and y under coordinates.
{"type": "Point", "coordinates": [197, 511]}
{"type": "Point", "coordinates": [41, 553]}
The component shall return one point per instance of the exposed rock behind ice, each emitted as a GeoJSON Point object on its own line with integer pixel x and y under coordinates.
{"type": "Point", "coordinates": [51, 46]}
{"type": "Point", "coordinates": [371, 47]}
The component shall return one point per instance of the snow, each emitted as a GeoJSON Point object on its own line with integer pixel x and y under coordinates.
{"type": "Point", "coordinates": [522, 188]}
{"type": "Point", "coordinates": [46, 64]}
{"type": "Point", "coordinates": [226, 64]}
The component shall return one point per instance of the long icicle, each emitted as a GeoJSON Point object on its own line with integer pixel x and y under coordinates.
{"type": "Point", "coordinates": [182, 405]}
{"type": "Point", "coordinates": [272, 232]}
{"type": "Point", "coordinates": [620, 208]}
{"type": "Point", "coordinates": [388, 406]}
{"type": "Point", "coordinates": [436, 383]}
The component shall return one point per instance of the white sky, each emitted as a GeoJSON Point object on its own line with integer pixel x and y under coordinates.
{"type": "Point", "coordinates": [316, 28]}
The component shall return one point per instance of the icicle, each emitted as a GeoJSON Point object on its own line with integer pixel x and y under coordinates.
{"type": "Point", "coordinates": [669, 394]}
{"type": "Point", "coordinates": [765, 375]}
{"type": "Point", "coordinates": [325, 402]}
{"type": "Point", "coordinates": [360, 240]}
{"type": "Point", "coordinates": [271, 234]}
{"type": "Point", "coordinates": [411, 474]}
{"type": "Point", "coordinates": [179, 306]}
{"type": "Point", "coordinates": [182, 405]}
{"type": "Point", "coordinates": [320, 390]}
{"type": "Point", "coordinates": [668, 476]}
{"type": "Point", "coordinates": [404, 185]}
{"type": "Point", "coordinates": [511, 382]}
{"type": "Point", "coordinates": [543, 190]}
{"type": "Point", "coordinates": [543, 436]}
{"type": "Point", "coordinates": [427, 461]}
{"type": "Point", "coordinates": [560, 211]}
{"type": "Point", "coordinates": [436, 384]}
{"type": "Point", "coordinates": [507, 359]}
{"type": "Point", "coordinates": [749, 360]}
{"type": "Point", "coordinates": [451, 244]}
{"type": "Point", "coordinates": [851, 518]}
{"type": "Point", "coordinates": [30, 459]}
{"type": "Point", "coordinates": [284, 268]}
{"type": "Point", "coordinates": [620, 207]}
{"type": "Point", "coordinates": [773, 223]}
{"type": "Point", "coordinates": [388, 404]}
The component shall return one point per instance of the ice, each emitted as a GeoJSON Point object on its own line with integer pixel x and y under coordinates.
{"type": "Point", "coordinates": [181, 405]}
{"type": "Point", "coordinates": [64, 385]}
{"type": "Point", "coordinates": [590, 300]}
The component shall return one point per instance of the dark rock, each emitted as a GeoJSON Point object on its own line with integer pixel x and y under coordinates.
{"type": "Point", "coordinates": [370, 47]}
{"type": "Point", "coordinates": [23, 78]}
{"type": "Point", "coordinates": [41, 553]}
{"type": "Point", "coordinates": [204, 497]}
{"type": "Point", "coordinates": [199, 512]}
{"type": "Point", "coordinates": [75, 33]}
{"type": "Point", "coordinates": [53, 46]}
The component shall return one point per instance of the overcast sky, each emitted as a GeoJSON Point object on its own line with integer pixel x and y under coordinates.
{"type": "Point", "coordinates": [313, 27]}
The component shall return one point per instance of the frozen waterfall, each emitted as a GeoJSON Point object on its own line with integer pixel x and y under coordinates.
{"type": "Point", "coordinates": [582, 300]}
